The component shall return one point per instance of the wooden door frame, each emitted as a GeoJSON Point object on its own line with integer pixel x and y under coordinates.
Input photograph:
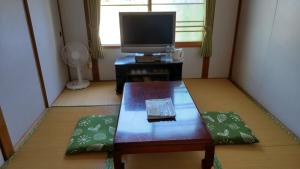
{"type": "Point", "coordinates": [205, 67]}
{"type": "Point", "coordinates": [35, 53]}
{"type": "Point", "coordinates": [62, 34]}
{"type": "Point", "coordinates": [235, 39]}
{"type": "Point", "coordinates": [5, 141]}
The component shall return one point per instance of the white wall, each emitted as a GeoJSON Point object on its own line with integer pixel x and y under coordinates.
{"type": "Point", "coordinates": [46, 26]}
{"type": "Point", "coordinates": [267, 63]}
{"type": "Point", "coordinates": [75, 30]}
{"type": "Point", "coordinates": [20, 93]}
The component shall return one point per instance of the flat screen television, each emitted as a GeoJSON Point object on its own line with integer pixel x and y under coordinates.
{"type": "Point", "coordinates": [147, 32]}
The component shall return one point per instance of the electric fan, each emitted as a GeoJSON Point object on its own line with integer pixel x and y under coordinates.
{"type": "Point", "coordinates": [76, 55]}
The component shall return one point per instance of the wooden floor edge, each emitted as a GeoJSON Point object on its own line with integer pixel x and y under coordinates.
{"type": "Point", "coordinates": [273, 117]}
{"type": "Point", "coordinates": [25, 138]}
{"type": "Point", "coordinates": [60, 93]}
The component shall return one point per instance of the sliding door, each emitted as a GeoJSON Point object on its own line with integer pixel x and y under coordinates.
{"type": "Point", "coordinates": [47, 32]}
{"type": "Point", "coordinates": [20, 91]}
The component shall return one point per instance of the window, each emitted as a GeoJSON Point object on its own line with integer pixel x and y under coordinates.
{"type": "Point", "coordinates": [190, 15]}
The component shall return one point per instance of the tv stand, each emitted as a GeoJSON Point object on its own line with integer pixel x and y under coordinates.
{"type": "Point", "coordinates": [147, 59]}
{"type": "Point", "coordinates": [128, 70]}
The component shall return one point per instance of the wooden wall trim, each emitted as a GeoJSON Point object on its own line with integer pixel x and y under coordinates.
{"type": "Point", "coordinates": [5, 141]}
{"type": "Point", "coordinates": [205, 67]}
{"type": "Point", "coordinates": [235, 39]}
{"type": "Point", "coordinates": [62, 34]}
{"type": "Point", "coordinates": [95, 66]}
{"type": "Point", "coordinates": [149, 5]}
{"type": "Point", "coordinates": [188, 44]}
{"type": "Point", "coordinates": [35, 53]}
{"type": "Point", "coordinates": [95, 70]}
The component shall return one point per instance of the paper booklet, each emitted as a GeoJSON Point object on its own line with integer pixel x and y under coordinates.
{"type": "Point", "coordinates": [160, 109]}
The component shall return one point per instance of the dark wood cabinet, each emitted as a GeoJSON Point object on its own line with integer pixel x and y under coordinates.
{"type": "Point", "coordinates": [127, 70]}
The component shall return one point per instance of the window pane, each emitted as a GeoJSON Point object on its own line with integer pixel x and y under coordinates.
{"type": "Point", "coordinates": [189, 23]}
{"type": "Point", "coordinates": [109, 17]}
{"type": "Point", "coordinates": [189, 16]}
{"type": "Point", "coordinates": [190, 29]}
{"type": "Point", "coordinates": [189, 36]}
{"type": "Point", "coordinates": [183, 12]}
{"type": "Point", "coordinates": [124, 2]}
{"type": "Point", "coordinates": [176, 1]}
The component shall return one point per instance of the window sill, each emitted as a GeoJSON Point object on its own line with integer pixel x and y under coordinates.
{"type": "Point", "coordinates": [188, 44]}
{"type": "Point", "coordinates": [178, 45]}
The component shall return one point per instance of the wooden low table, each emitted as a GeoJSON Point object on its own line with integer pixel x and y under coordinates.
{"type": "Point", "coordinates": [135, 134]}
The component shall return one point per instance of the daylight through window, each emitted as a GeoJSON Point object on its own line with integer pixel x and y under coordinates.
{"type": "Point", "coordinates": [190, 15]}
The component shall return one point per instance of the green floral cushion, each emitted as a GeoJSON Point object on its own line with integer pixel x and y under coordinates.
{"type": "Point", "coordinates": [228, 128]}
{"type": "Point", "coordinates": [93, 133]}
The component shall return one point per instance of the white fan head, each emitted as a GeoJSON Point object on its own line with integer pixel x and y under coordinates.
{"type": "Point", "coordinates": [75, 54]}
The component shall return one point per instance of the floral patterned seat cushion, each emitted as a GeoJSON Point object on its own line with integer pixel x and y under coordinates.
{"type": "Point", "coordinates": [93, 133]}
{"type": "Point", "coordinates": [228, 128]}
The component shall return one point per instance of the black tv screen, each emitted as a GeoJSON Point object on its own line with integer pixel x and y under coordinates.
{"type": "Point", "coordinates": [152, 29]}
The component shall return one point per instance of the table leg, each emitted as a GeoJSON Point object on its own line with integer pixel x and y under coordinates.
{"type": "Point", "coordinates": [118, 161]}
{"type": "Point", "coordinates": [208, 161]}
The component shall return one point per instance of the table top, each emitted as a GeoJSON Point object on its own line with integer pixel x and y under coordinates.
{"type": "Point", "coordinates": [133, 126]}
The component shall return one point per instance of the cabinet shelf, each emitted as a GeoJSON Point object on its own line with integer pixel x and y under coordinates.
{"type": "Point", "coordinates": [166, 70]}
{"type": "Point", "coordinates": [150, 74]}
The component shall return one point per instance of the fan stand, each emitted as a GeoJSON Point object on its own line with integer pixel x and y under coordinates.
{"type": "Point", "coordinates": [78, 84]}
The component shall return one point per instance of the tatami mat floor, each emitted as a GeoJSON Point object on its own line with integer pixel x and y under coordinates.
{"type": "Point", "coordinates": [45, 149]}
{"type": "Point", "coordinates": [101, 93]}
{"type": "Point", "coordinates": [277, 149]}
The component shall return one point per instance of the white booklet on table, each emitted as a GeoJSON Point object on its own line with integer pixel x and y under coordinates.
{"type": "Point", "coordinates": [160, 109]}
